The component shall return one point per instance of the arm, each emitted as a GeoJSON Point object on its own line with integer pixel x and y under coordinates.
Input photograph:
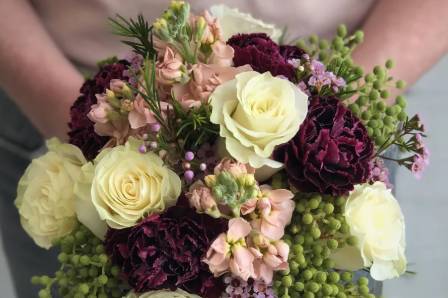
{"type": "Point", "coordinates": [34, 72]}
{"type": "Point", "coordinates": [413, 33]}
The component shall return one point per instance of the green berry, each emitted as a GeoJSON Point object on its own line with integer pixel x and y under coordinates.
{"type": "Point", "coordinates": [84, 260]}
{"type": "Point", "coordinates": [83, 288]}
{"type": "Point", "coordinates": [359, 36]}
{"type": "Point", "coordinates": [374, 95]}
{"type": "Point", "coordinates": [352, 240]}
{"type": "Point", "coordinates": [346, 276]}
{"type": "Point", "coordinates": [103, 258]}
{"type": "Point", "coordinates": [287, 281]}
{"type": "Point", "coordinates": [299, 286]}
{"type": "Point", "coordinates": [315, 232]}
{"type": "Point", "coordinates": [342, 30]}
{"type": "Point", "coordinates": [332, 244]}
{"type": "Point", "coordinates": [307, 274]}
{"type": "Point", "coordinates": [307, 218]}
{"type": "Point", "coordinates": [313, 203]}
{"type": "Point", "coordinates": [389, 64]}
{"type": "Point", "coordinates": [308, 295]}
{"type": "Point", "coordinates": [402, 116]}
{"type": "Point", "coordinates": [363, 281]}
{"type": "Point", "coordinates": [312, 287]}
{"type": "Point", "coordinates": [401, 101]}
{"type": "Point", "coordinates": [363, 290]}
{"type": "Point", "coordinates": [362, 100]}
{"type": "Point", "coordinates": [384, 94]}
{"type": "Point", "coordinates": [102, 279]}
{"type": "Point", "coordinates": [400, 84]}
{"type": "Point", "coordinates": [333, 277]}
{"type": "Point", "coordinates": [328, 208]}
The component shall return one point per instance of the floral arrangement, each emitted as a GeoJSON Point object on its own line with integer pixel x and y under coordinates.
{"type": "Point", "coordinates": [218, 163]}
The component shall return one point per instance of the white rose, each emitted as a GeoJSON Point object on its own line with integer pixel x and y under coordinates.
{"type": "Point", "coordinates": [163, 294]}
{"type": "Point", "coordinates": [376, 220]}
{"type": "Point", "coordinates": [125, 185]}
{"type": "Point", "coordinates": [45, 197]}
{"type": "Point", "coordinates": [257, 112]}
{"type": "Point", "coordinates": [232, 21]}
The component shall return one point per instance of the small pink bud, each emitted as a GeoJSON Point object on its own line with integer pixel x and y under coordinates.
{"type": "Point", "coordinates": [142, 149]}
{"type": "Point", "coordinates": [153, 145]}
{"type": "Point", "coordinates": [203, 167]}
{"type": "Point", "coordinates": [186, 165]}
{"type": "Point", "coordinates": [189, 156]}
{"type": "Point", "coordinates": [155, 127]}
{"type": "Point", "coordinates": [189, 175]}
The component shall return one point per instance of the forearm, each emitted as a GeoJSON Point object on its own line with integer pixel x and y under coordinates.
{"type": "Point", "coordinates": [412, 32]}
{"type": "Point", "coordinates": [34, 72]}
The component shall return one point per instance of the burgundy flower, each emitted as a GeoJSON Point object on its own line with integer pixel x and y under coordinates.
{"type": "Point", "coordinates": [81, 131]}
{"type": "Point", "coordinates": [165, 251]}
{"type": "Point", "coordinates": [330, 153]}
{"type": "Point", "coordinates": [262, 54]}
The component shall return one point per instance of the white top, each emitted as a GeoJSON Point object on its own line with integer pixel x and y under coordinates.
{"type": "Point", "coordinates": [81, 30]}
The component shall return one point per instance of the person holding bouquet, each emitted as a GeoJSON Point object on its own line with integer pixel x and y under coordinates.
{"type": "Point", "coordinates": [45, 46]}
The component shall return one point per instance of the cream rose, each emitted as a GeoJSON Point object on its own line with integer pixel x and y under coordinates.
{"type": "Point", "coordinates": [375, 218]}
{"type": "Point", "coordinates": [232, 21]}
{"type": "Point", "coordinates": [127, 185]}
{"type": "Point", "coordinates": [257, 112]}
{"type": "Point", "coordinates": [163, 294]}
{"type": "Point", "coordinates": [45, 198]}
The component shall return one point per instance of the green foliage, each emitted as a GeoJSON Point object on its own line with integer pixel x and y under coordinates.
{"type": "Point", "coordinates": [193, 126]}
{"type": "Point", "coordinates": [366, 94]}
{"type": "Point", "coordinates": [234, 191]}
{"type": "Point", "coordinates": [318, 228]}
{"type": "Point", "coordinates": [107, 61]}
{"type": "Point", "coordinates": [138, 31]}
{"type": "Point", "coordinates": [85, 269]}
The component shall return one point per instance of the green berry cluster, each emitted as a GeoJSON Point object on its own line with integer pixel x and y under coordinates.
{"type": "Point", "coordinates": [366, 94]}
{"type": "Point", "coordinates": [85, 272]}
{"type": "Point", "coordinates": [318, 228]}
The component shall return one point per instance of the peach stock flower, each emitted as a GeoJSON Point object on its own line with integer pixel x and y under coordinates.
{"type": "Point", "coordinates": [222, 54]}
{"type": "Point", "coordinates": [270, 257]}
{"type": "Point", "coordinates": [271, 212]}
{"type": "Point", "coordinates": [233, 167]}
{"type": "Point", "coordinates": [204, 79]}
{"type": "Point", "coordinates": [230, 252]}
{"type": "Point", "coordinates": [170, 68]}
{"type": "Point", "coordinates": [201, 199]}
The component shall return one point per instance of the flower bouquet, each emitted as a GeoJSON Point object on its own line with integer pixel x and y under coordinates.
{"type": "Point", "coordinates": [214, 162]}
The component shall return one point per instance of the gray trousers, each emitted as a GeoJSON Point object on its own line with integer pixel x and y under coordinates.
{"type": "Point", "coordinates": [18, 141]}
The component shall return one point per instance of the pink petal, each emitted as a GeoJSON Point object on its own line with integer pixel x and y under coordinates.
{"type": "Point", "coordinates": [238, 228]}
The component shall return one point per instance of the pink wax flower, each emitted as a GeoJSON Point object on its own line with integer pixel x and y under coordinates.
{"type": "Point", "coordinates": [169, 68]}
{"type": "Point", "coordinates": [229, 251]}
{"type": "Point", "coordinates": [233, 167]}
{"type": "Point", "coordinates": [271, 212]}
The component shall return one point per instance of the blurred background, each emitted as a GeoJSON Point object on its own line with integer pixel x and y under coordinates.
{"type": "Point", "coordinates": [424, 202]}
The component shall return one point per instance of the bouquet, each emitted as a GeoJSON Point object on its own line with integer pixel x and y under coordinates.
{"type": "Point", "coordinates": [215, 161]}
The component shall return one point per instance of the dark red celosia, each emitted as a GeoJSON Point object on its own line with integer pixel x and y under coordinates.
{"type": "Point", "coordinates": [330, 153]}
{"type": "Point", "coordinates": [263, 54]}
{"type": "Point", "coordinates": [81, 131]}
{"type": "Point", "coordinates": [165, 251]}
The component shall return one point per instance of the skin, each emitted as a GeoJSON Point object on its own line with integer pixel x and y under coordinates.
{"type": "Point", "coordinates": [44, 83]}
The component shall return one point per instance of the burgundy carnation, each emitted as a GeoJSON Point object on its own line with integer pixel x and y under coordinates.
{"type": "Point", "coordinates": [263, 54]}
{"type": "Point", "coordinates": [81, 131]}
{"type": "Point", "coordinates": [165, 252]}
{"type": "Point", "coordinates": [330, 153]}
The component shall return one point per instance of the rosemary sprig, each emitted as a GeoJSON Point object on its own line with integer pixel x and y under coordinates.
{"type": "Point", "coordinates": [135, 29]}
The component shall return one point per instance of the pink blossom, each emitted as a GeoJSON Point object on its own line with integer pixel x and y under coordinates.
{"type": "Point", "coordinates": [222, 54]}
{"type": "Point", "coordinates": [169, 69]}
{"type": "Point", "coordinates": [229, 251]}
{"type": "Point", "coordinates": [273, 212]}
{"type": "Point", "coordinates": [420, 162]}
{"type": "Point", "coordinates": [204, 79]}
{"type": "Point", "coordinates": [201, 198]}
{"type": "Point", "coordinates": [233, 167]}
{"type": "Point", "coordinates": [98, 112]}
{"type": "Point", "coordinates": [140, 115]}
{"type": "Point", "coordinates": [271, 256]}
